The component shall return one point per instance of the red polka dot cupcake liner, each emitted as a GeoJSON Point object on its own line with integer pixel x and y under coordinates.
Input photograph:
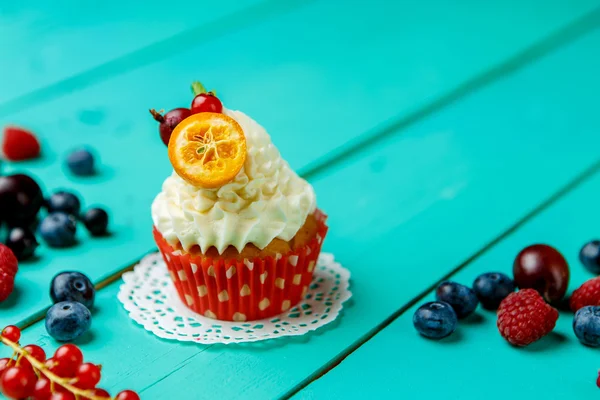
{"type": "Point", "coordinates": [243, 290]}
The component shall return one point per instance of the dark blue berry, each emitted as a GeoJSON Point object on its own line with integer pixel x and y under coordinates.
{"type": "Point", "coordinates": [435, 320]}
{"type": "Point", "coordinates": [64, 202]}
{"type": "Point", "coordinates": [81, 162]}
{"type": "Point", "coordinates": [491, 288]}
{"type": "Point", "coordinates": [22, 242]}
{"type": "Point", "coordinates": [58, 229]}
{"type": "Point", "coordinates": [460, 297]}
{"type": "Point", "coordinates": [96, 221]}
{"type": "Point", "coordinates": [586, 325]}
{"type": "Point", "coordinates": [590, 256]}
{"type": "Point", "coordinates": [67, 320]}
{"type": "Point", "coordinates": [72, 286]}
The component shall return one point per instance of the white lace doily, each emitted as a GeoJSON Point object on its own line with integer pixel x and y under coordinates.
{"type": "Point", "coordinates": [149, 296]}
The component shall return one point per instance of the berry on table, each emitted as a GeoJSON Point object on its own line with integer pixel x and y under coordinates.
{"type": "Point", "coordinates": [58, 230]}
{"type": "Point", "coordinates": [491, 288]}
{"type": "Point", "coordinates": [42, 390]}
{"type": "Point", "coordinates": [19, 144]}
{"type": "Point", "coordinates": [524, 317]}
{"type": "Point", "coordinates": [543, 268]}
{"type": "Point", "coordinates": [70, 358]}
{"type": "Point", "coordinates": [96, 221]}
{"type": "Point", "coordinates": [127, 395]}
{"type": "Point", "coordinates": [36, 352]}
{"type": "Point", "coordinates": [5, 363]}
{"type": "Point", "coordinates": [587, 294]}
{"type": "Point", "coordinates": [18, 382]}
{"type": "Point", "coordinates": [100, 393]}
{"type": "Point", "coordinates": [20, 199]}
{"type": "Point", "coordinates": [7, 285]}
{"type": "Point", "coordinates": [11, 333]}
{"type": "Point", "coordinates": [9, 264]}
{"type": "Point", "coordinates": [435, 320]}
{"type": "Point", "coordinates": [88, 375]}
{"type": "Point", "coordinates": [590, 256]}
{"type": "Point", "coordinates": [206, 102]}
{"type": "Point", "coordinates": [65, 202]}
{"type": "Point", "coordinates": [81, 162]}
{"type": "Point", "coordinates": [462, 298]}
{"type": "Point", "coordinates": [586, 325]}
{"type": "Point", "coordinates": [68, 320]}
{"type": "Point", "coordinates": [22, 242]}
{"type": "Point", "coordinates": [72, 286]}
{"type": "Point", "coordinates": [169, 121]}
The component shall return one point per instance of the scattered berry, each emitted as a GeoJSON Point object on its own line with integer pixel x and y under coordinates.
{"type": "Point", "coordinates": [96, 221]}
{"type": "Point", "coordinates": [9, 264]}
{"type": "Point", "coordinates": [598, 380]}
{"type": "Point", "coordinates": [72, 286]}
{"type": "Point", "coordinates": [36, 352]}
{"type": "Point", "coordinates": [20, 199]}
{"type": "Point", "coordinates": [101, 393]}
{"type": "Point", "coordinates": [70, 358]}
{"type": "Point", "coordinates": [127, 395]}
{"type": "Point", "coordinates": [88, 376]}
{"type": "Point", "coordinates": [63, 396]}
{"type": "Point", "coordinates": [18, 382]}
{"type": "Point", "coordinates": [64, 202]}
{"type": "Point", "coordinates": [586, 325]}
{"type": "Point", "coordinates": [42, 390]}
{"type": "Point", "coordinates": [11, 333]}
{"type": "Point", "coordinates": [22, 242]}
{"type": "Point", "coordinates": [524, 317]}
{"type": "Point", "coordinates": [81, 163]}
{"type": "Point", "coordinates": [544, 269]}
{"type": "Point", "coordinates": [169, 121]}
{"type": "Point", "coordinates": [19, 144]}
{"type": "Point", "coordinates": [206, 102]}
{"type": "Point", "coordinates": [491, 288]}
{"type": "Point", "coordinates": [7, 285]}
{"type": "Point", "coordinates": [587, 294]}
{"type": "Point", "coordinates": [58, 230]}
{"type": "Point", "coordinates": [590, 256]}
{"type": "Point", "coordinates": [462, 298]}
{"type": "Point", "coordinates": [68, 320]}
{"type": "Point", "coordinates": [435, 320]}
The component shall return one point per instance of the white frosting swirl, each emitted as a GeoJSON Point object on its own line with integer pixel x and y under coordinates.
{"type": "Point", "coordinates": [266, 200]}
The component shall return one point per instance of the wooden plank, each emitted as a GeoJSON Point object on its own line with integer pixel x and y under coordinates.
{"type": "Point", "coordinates": [308, 83]}
{"type": "Point", "coordinates": [401, 216]}
{"type": "Point", "coordinates": [398, 363]}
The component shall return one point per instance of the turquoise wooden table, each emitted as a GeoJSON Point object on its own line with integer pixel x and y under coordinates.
{"type": "Point", "coordinates": [445, 136]}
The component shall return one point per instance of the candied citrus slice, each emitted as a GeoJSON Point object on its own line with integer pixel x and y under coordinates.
{"type": "Point", "coordinates": [207, 149]}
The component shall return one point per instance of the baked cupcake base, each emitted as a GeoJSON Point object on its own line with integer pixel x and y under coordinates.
{"type": "Point", "coordinates": [234, 289]}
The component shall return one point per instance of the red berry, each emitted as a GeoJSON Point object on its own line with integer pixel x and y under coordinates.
{"type": "Point", "coordinates": [206, 102]}
{"type": "Point", "coordinates": [18, 382]}
{"type": "Point", "coordinates": [598, 380]}
{"type": "Point", "coordinates": [7, 285]}
{"type": "Point", "coordinates": [524, 317]}
{"type": "Point", "coordinates": [36, 352]}
{"type": "Point", "coordinates": [101, 393]}
{"type": "Point", "coordinates": [11, 333]}
{"type": "Point", "coordinates": [588, 294]}
{"type": "Point", "coordinates": [62, 396]}
{"type": "Point", "coordinates": [19, 144]}
{"type": "Point", "coordinates": [8, 262]}
{"type": "Point", "coordinates": [43, 389]}
{"type": "Point", "coordinates": [169, 121]}
{"type": "Point", "coordinates": [127, 395]}
{"type": "Point", "coordinates": [68, 357]}
{"type": "Point", "coordinates": [5, 363]}
{"type": "Point", "coordinates": [88, 376]}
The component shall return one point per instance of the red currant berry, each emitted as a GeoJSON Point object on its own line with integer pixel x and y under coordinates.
{"type": "Point", "coordinates": [36, 352]}
{"type": "Point", "coordinates": [598, 380]}
{"type": "Point", "coordinates": [127, 395]}
{"type": "Point", "coordinates": [62, 396]}
{"type": "Point", "coordinates": [11, 333]}
{"type": "Point", "coordinates": [169, 121]}
{"type": "Point", "coordinates": [43, 389]}
{"type": "Point", "coordinates": [69, 358]}
{"type": "Point", "coordinates": [101, 393]}
{"type": "Point", "coordinates": [5, 363]}
{"type": "Point", "coordinates": [206, 102]}
{"type": "Point", "coordinates": [88, 376]}
{"type": "Point", "coordinates": [18, 382]}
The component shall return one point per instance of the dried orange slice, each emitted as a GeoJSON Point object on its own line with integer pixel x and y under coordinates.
{"type": "Point", "coordinates": [207, 149]}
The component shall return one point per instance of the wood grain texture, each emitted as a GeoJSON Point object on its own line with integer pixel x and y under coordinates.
{"type": "Point", "coordinates": [401, 217]}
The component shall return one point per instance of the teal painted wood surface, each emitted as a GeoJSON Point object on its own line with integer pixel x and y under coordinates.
{"type": "Point", "coordinates": [291, 72]}
{"type": "Point", "coordinates": [394, 202]}
{"type": "Point", "coordinates": [476, 362]}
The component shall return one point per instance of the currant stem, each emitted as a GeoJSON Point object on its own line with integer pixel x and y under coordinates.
{"type": "Point", "coordinates": [54, 379]}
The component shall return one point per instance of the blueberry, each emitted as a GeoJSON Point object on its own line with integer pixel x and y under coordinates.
{"type": "Point", "coordinates": [435, 320]}
{"type": "Point", "coordinates": [58, 230]}
{"type": "Point", "coordinates": [72, 286]}
{"type": "Point", "coordinates": [67, 320]}
{"type": "Point", "coordinates": [81, 162]}
{"type": "Point", "coordinates": [22, 242]}
{"type": "Point", "coordinates": [590, 256]}
{"type": "Point", "coordinates": [491, 288]}
{"type": "Point", "coordinates": [96, 221]}
{"type": "Point", "coordinates": [586, 325]}
{"type": "Point", "coordinates": [460, 297]}
{"type": "Point", "coordinates": [65, 202]}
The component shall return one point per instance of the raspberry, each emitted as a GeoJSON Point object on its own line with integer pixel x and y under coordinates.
{"type": "Point", "coordinates": [524, 317]}
{"type": "Point", "coordinates": [19, 144]}
{"type": "Point", "coordinates": [588, 294]}
{"type": "Point", "coordinates": [8, 262]}
{"type": "Point", "coordinates": [7, 284]}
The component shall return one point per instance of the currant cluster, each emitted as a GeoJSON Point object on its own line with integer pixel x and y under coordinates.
{"type": "Point", "coordinates": [29, 375]}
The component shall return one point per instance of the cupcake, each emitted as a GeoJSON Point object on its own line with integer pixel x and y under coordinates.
{"type": "Point", "coordinates": [238, 229]}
